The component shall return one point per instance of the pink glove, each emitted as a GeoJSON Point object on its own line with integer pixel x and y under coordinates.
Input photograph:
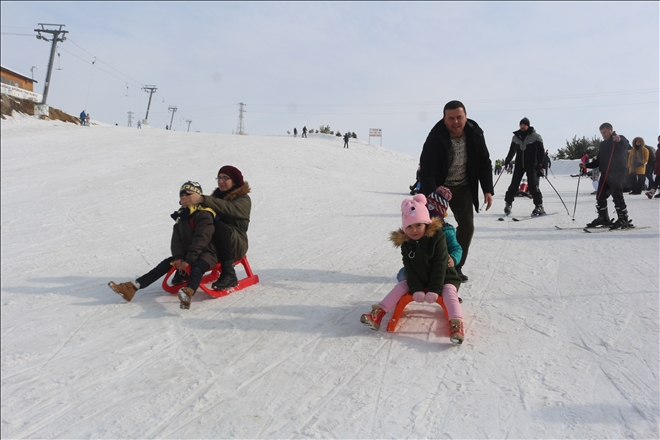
{"type": "Point", "coordinates": [431, 297]}
{"type": "Point", "coordinates": [419, 296]}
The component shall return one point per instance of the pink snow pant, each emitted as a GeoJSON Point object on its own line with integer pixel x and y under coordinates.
{"type": "Point", "coordinates": [449, 297]}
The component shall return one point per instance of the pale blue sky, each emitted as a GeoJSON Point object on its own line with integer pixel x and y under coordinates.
{"type": "Point", "coordinates": [567, 66]}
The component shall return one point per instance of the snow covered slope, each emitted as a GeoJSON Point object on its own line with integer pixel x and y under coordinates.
{"type": "Point", "coordinates": [561, 326]}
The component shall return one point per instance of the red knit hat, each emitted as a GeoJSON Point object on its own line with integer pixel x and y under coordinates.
{"type": "Point", "coordinates": [234, 173]}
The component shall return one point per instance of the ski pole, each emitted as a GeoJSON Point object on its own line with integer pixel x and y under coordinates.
{"type": "Point", "coordinates": [553, 174]}
{"type": "Point", "coordinates": [576, 196]}
{"type": "Point", "coordinates": [562, 200]}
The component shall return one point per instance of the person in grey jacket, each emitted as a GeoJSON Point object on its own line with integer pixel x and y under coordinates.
{"type": "Point", "coordinates": [527, 146]}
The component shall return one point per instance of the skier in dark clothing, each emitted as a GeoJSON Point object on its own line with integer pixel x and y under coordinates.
{"type": "Point", "coordinates": [304, 132]}
{"type": "Point", "coordinates": [83, 117]}
{"type": "Point", "coordinates": [295, 132]}
{"type": "Point", "coordinates": [455, 155]}
{"type": "Point", "coordinates": [612, 161]}
{"type": "Point", "coordinates": [527, 145]}
{"type": "Point", "coordinates": [346, 137]}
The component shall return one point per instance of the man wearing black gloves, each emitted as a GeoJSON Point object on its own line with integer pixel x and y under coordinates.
{"type": "Point", "coordinates": [527, 145]}
{"type": "Point", "coordinates": [455, 155]}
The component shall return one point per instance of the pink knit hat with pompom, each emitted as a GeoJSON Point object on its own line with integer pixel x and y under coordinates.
{"type": "Point", "coordinates": [414, 211]}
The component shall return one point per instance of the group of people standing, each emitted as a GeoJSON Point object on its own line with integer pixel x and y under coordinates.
{"type": "Point", "coordinates": [84, 118]}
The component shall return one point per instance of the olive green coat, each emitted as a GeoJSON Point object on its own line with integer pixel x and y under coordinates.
{"type": "Point", "coordinates": [425, 260]}
{"type": "Point", "coordinates": [234, 211]}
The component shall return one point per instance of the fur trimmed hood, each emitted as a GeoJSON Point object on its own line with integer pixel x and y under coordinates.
{"type": "Point", "coordinates": [399, 237]}
{"type": "Point", "coordinates": [233, 194]}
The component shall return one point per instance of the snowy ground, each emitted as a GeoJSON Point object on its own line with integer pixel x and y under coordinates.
{"type": "Point", "coordinates": [562, 326]}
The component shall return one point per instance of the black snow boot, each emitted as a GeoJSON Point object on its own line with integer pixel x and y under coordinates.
{"type": "Point", "coordinates": [603, 219]}
{"type": "Point", "coordinates": [507, 208]}
{"type": "Point", "coordinates": [227, 278]}
{"type": "Point", "coordinates": [622, 221]}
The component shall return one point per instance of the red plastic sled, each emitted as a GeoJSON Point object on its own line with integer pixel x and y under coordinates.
{"type": "Point", "coordinates": [210, 277]}
{"type": "Point", "coordinates": [398, 310]}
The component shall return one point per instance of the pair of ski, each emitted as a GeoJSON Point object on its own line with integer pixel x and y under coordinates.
{"type": "Point", "coordinates": [522, 219]}
{"type": "Point", "coordinates": [600, 229]}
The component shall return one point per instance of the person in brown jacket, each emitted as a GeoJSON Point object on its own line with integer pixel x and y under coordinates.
{"type": "Point", "coordinates": [191, 245]}
{"type": "Point", "coordinates": [637, 159]}
{"type": "Point", "coordinates": [232, 203]}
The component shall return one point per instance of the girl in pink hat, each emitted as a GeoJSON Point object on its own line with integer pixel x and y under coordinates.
{"type": "Point", "coordinates": [425, 256]}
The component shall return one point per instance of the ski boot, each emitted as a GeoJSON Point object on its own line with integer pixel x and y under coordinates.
{"type": "Point", "coordinates": [507, 209]}
{"type": "Point", "coordinates": [373, 319]}
{"type": "Point", "coordinates": [126, 290]}
{"type": "Point", "coordinates": [227, 278]}
{"type": "Point", "coordinates": [622, 221]}
{"type": "Point", "coordinates": [457, 332]}
{"type": "Point", "coordinates": [603, 219]}
{"type": "Point", "coordinates": [538, 210]}
{"type": "Point", "coordinates": [185, 296]}
{"type": "Point", "coordinates": [650, 193]}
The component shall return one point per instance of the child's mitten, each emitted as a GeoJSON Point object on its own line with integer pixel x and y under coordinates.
{"type": "Point", "coordinates": [419, 296]}
{"type": "Point", "coordinates": [431, 297]}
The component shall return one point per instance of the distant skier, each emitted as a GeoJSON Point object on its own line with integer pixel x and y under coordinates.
{"type": "Point", "coordinates": [527, 145]}
{"type": "Point", "coordinates": [139, 124]}
{"type": "Point", "coordinates": [425, 256]}
{"type": "Point", "coordinates": [87, 119]}
{"type": "Point", "coordinates": [83, 118]}
{"type": "Point", "coordinates": [346, 137]}
{"type": "Point", "coordinates": [295, 132]}
{"type": "Point", "coordinates": [304, 132]}
{"type": "Point", "coordinates": [612, 161]}
{"type": "Point", "coordinates": [191, 245]}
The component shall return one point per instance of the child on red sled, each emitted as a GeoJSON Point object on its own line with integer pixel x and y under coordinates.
{"type": "Point", "coordinates": [191, 246]}
{"type": "Point", "coordinates": [425, 261]}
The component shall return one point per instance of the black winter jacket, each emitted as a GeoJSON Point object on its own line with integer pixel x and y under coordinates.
{"type": "Point", "coordinates": [425, 260]}
{"type": "Point", "coordinates": [529, 150]}
{"type": "Point", "coordinates": [191, 236]}
{"type": "Point", "coordinates": [435, 160]}
{"type": "Point", "coordinates": [612, 159]}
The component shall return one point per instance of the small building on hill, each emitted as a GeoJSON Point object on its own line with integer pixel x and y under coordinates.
{"type": "Point", "coordinates": [18, 85]}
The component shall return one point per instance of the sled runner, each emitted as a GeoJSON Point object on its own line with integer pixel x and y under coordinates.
{"type": "Point", "coordinates": [210, 277]}
{"type": "Point", "coordinates": [398, 310]}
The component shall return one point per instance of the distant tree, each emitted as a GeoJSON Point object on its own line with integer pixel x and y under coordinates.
{"type": "Point", "coordinates": [576, 148]}
{"type": "Point", "coordinates": [353, 135]}
{"type": "Point", "coordinates": [338, 133]}
{"type": "Point", "coordinates": [316, 131]}
{"type": "Point", "coordinates": [325, 129]}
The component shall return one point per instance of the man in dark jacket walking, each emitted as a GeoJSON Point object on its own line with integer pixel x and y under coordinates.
{"type": "Point", "coordinates": [455, 155]}
{"type": "Point", "coordinates": [612, 161]}
{"type": "Point", "coordinates": [527, 145]}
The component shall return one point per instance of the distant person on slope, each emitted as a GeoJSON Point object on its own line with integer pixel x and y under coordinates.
{"type": "Point", "coordinates": [191, 245]}
{"type": "Point", "coordinates": [527, 146]}
{"type": "Point", "coordinates": [295, 132]}
{"type": "Point", "coordinates": [346, 138]}
{"type": "Point", "coordinates": [424, 250]}
{"type": "Point", "coordinates": [656, 183]}
{"type": "Point", "coordinates": [637, 160]}
{"type": "Point", "coordinates": [612, 162]}
{"type": "Point", "coordinates": [304, 132]}
{"type": "Point", "coordinates": [83, 117]}
{"type": "Point", "coordinates": [232, 204]}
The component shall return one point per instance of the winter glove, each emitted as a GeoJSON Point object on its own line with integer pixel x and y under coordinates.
{"type": "Point", "coordinates": [431, 297]}
{"type": "Point", "coordinates": [419, 296]}
{"type": "Point", "coordinates": [506, 163]}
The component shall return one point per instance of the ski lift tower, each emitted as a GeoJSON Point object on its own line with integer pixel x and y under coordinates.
{"type": "Point", "coordinates": [240, 129]}
{"type": "Point", "coordinates": [56, 38]}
